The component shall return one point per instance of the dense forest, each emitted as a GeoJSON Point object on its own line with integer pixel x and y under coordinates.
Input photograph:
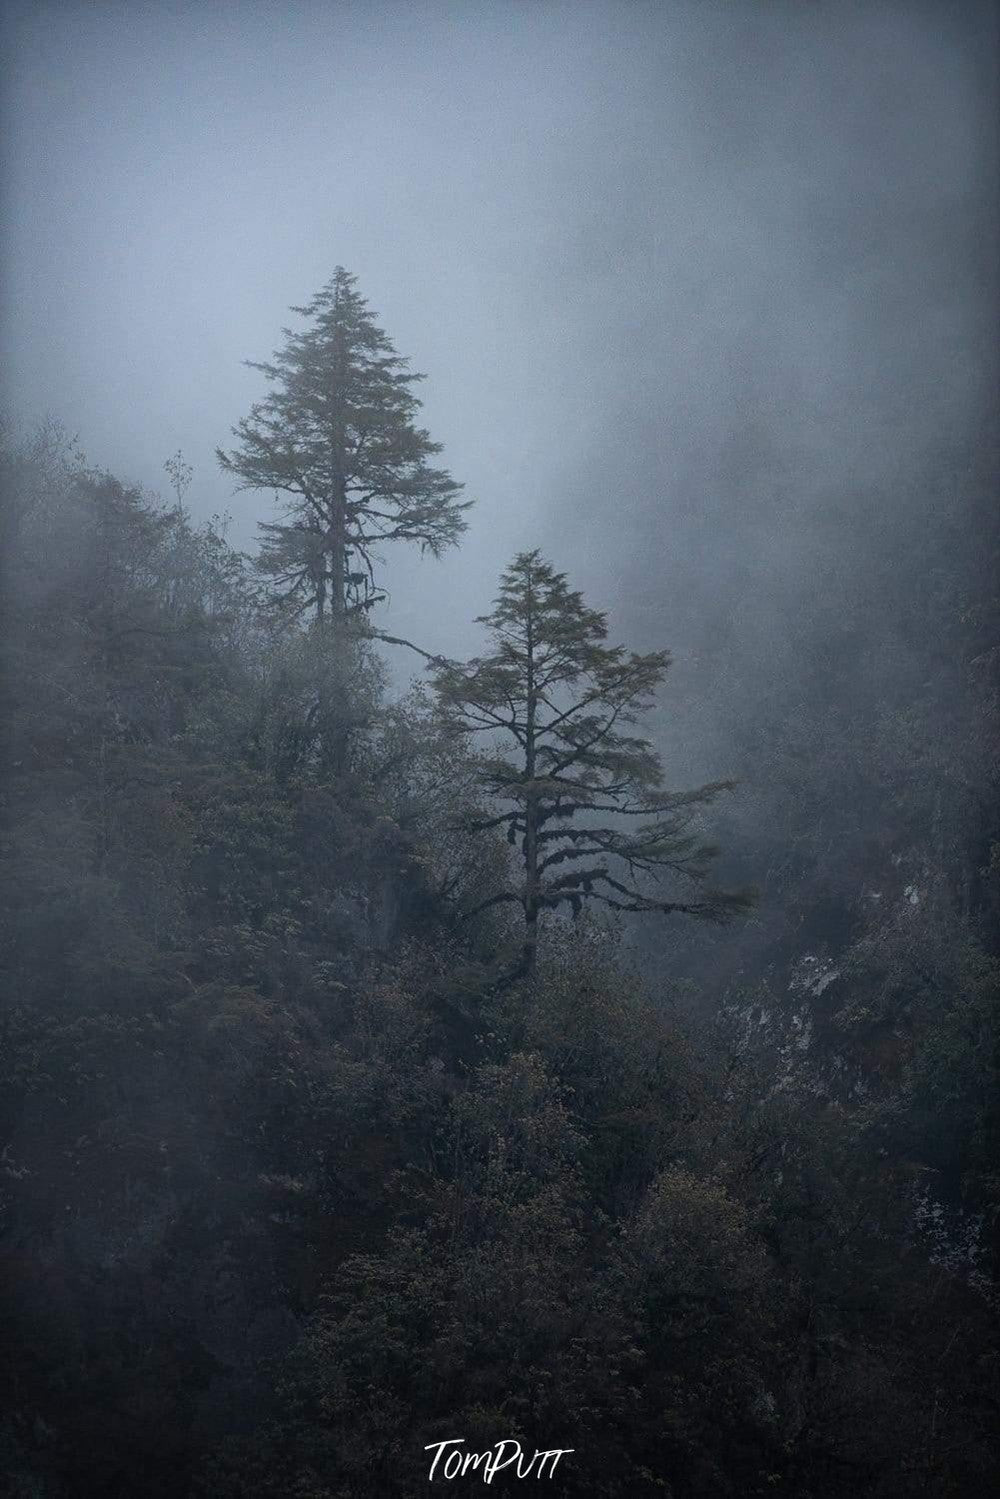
{"type": "Point", "coordinates": [384, 1069]}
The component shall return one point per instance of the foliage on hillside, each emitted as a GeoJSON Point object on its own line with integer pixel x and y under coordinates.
{"type": "Point", "coordinates": [292, 1186]}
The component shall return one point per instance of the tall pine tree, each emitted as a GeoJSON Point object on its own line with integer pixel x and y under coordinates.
{"type": "Point", "coordinates": [336, 439]}
{"type": "Point", "coordinates": [581, 794]}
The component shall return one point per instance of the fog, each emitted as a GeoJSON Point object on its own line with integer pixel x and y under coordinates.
{"type": "Point", "coordinates": [686, 280]}
{"type": "Point", "coordinates": [362, 1093]}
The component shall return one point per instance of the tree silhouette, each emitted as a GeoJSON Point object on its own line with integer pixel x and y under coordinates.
{"type": "Point", "coordinates": [336, 439]}
{"type": "Point", "coordinates": [585, 795]}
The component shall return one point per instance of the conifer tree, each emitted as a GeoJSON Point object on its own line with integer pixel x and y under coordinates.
{"type": "Point", "coordinates": [336, 439]}
{"type": "Point", "coordinates": [579, 792]}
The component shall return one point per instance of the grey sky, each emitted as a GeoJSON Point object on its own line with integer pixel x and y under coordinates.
{"type": "Point", "coordinates": [677, 273]}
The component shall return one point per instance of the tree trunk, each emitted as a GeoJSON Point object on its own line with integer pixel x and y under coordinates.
{"type": "Point", "coordinates": [336, 551]}
{"type": "Point", "coordinates": [335, 709]}
{"type": "Point", "coordinates": [320, 586]}
{"type": "Point", "coordinates": [530, 806]}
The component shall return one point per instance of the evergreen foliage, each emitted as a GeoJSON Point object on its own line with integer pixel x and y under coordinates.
{"type": "Point", "coordinates": [336, 441]}
{"type": "Point", "coordinates": [585, 793]}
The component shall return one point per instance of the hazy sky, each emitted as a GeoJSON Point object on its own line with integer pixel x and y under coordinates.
{"type": "Point", "coordinates": [677, 273]}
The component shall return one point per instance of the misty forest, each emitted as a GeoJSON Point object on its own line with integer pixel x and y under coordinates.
{"type": "Point", "coordinates": [500, 865]}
